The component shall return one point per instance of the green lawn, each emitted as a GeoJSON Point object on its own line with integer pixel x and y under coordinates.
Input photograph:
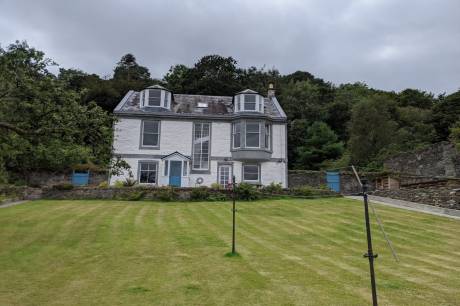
{"type": "Point", "coordinates": [304, 252]}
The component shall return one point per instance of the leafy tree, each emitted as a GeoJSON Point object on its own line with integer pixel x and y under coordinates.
{"type": "Point", "coordinates": [371, 129]}
{"type": "Point", "coordinates": [321, 144]}
{"type": "Point", "coordinates": [446, 112]}
{"type": "Point", "coordinates": [455, 135]}
{"type": "Point", "coordinates": [128, 69]}
{"type": "Point", "coordinates": [43, 124]}
{"type": "Point", "coordinates": [178, 78]}
{"type": "Point", "coordinates": [415, 98]}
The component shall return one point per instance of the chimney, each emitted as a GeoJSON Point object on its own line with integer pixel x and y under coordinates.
{"type": "Point", "coordinates": [271, 90]}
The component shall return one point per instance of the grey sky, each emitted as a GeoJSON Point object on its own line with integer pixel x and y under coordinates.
{"type": "Point", "coordinates": [389, 44]}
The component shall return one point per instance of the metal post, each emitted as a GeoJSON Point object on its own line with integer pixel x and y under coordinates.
{"type": "Point", "coordinates": [233, 211]}
{"type": "Point", "coordinates": [370, 255]}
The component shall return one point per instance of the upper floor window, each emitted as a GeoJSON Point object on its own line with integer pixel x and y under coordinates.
{"type": "Point", "coordinates": [236, 134]}
{"type": "Point", "coordinates": [249, 101]}
{"type": "Point", "coordinates": [268, 129]}
{"type": "Point", "coordinates": [252, 134]}
{"type": "Point", "coordinates": [155, 96]}
{"type": "Point", "coordinates": [150, 133]}
{"type": "Point", "coordinates": [201, 145]}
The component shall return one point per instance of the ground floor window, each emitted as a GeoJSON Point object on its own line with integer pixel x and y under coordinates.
{"type": "Point", "coordinates": [251, 173]}
{"type": "Point", "coordinates": [224, 175]}
{"type": "Point", "coordinates": [148, 172]}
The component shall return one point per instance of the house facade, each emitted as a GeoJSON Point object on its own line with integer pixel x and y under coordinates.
{"type": "Point", "coordinates": [197, 140]}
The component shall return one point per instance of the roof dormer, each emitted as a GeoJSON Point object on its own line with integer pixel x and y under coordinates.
{"type": "Point", "coordinates": [248, 101]}
{"type": "Point", "coordinates": [156, 96]}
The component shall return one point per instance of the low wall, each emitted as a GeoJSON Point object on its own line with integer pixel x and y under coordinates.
{"type": "Point", "coordinates": [348, 182]}
{"type": "Point", "coordinates": [48, 179]}
{"type": "Point", "coordinates": [445, 198]}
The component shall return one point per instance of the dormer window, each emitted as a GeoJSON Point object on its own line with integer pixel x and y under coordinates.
{"type": "Point", "coordinates": [155, 96]}
{"type": "Point", "coordinates": [248, 101]}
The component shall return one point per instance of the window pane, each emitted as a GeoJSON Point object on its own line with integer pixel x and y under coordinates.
{"type": "Point", "coordinates": [151, 127]}
{"type": "Point", "coordinates": [151, 177]}
{"type": "Point", "coordinates": [249, 106]}
{"type": "Point", "coordinates": [201, 146]}
{"type": "Point", "coordinates": [252, 127]}
{"type": "Point", "coordinates": [154, 97]}
{"type": "Point", "coordinates": [150, 140]}
{"type": "Point", "coordinates": [143, 177]}
{"type": "Point", "coordinates": [252, 140]}
{"type": "Point", "coordinates": [250, 98]}
{"type": "Point", "coordinates": [251, 172]}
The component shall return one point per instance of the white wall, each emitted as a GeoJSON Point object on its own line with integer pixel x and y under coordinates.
{"type": "Point", "coordinates": [279, 141]}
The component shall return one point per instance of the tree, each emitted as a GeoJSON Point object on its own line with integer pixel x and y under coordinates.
{"type": "Point", "coordinates": [43, 124]}
{"type": "Point", "coordinates": [178, 78]}
{"type": "Point", "coordinates": [129, 70]}
{"type": "Point", "coordinates": [455, 135]}
{"type": "Point", "coordinates": [214, 75]}
{"type": "Point", "coordinates": [371, 129]}
{"type": "Point", "coordinates": [446, 112]}
{"type": "Point", "coordinates": [415, 98]}
{"type": "Point", "coordinates": [321, 144]}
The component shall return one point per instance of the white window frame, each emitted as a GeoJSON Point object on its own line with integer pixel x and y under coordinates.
{"type": "Point", "coordinates": [160, 101]}
{"type": "Point", "coordinates": [256, 98]}
{"type": "Point", "coordinates": [142, 145]}
{"type": "Point", "coordinates": [148, 170]}
{"type": "Point", "coordinates": [234, 134]}
{"type": "Point", "coordinates": [268, 134]}
{"type": "Point", "coordinates": [246, 134]}
{"type": "Point", "coordinates": [202, 140]}
{"type": "Point", "coordinates": [258, 173]}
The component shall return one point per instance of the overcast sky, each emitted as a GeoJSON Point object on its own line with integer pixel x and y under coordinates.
{"type": "Point", "coordinates": [389, 44]}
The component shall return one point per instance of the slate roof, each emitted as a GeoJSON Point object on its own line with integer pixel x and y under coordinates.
{"type": "Point", "coordinates": [196, 105]}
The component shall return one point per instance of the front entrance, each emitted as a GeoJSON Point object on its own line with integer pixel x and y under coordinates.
{"type": "Point", "coordinates": [175, 172]}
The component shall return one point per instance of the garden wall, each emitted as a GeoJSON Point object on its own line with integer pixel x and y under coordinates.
{"type": "Point", "coordinates": [348, 182]}
{"type": "Point", "coordinates": [446, 198]}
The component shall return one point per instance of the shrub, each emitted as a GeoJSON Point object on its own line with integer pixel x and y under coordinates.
{"type": "Point", "coordinates": [118, 184]}
{"type": "Point", "coordinates": [246, 192]}
{"type": "Point", "coordinates": [275, 188]}
{"type": "Point", "coordinates": [216, 186]}
{"type": "Point", "coordinates": [63, 186]}
{"type": "Point", "coordinates": [217, 197]}
{"type": "Point", "coordinates": [166, 194]}
{"type": "Point", "coordinates": [135, 195]}
{"type": "Point", "coordinates": [306, 191]}
{"type": "Point", "coordinates": [103, 185]}
{"type": "Point", "coordinates": [199, 194]}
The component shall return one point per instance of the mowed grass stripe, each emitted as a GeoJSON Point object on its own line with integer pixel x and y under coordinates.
{"type": "Point", "coordinates": [294, 252]}
{"type": "Point", "coordinates": [272, 248]}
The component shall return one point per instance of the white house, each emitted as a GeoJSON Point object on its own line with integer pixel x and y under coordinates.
{"type": "Point", "coordinates": [197, 140]}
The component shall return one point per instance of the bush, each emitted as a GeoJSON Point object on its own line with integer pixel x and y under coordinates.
{"type": "Point", "coordinates": [167, 194]}
{"type": "Point", "coordinates": [135, 195]}
{"type": "Point", "coordinates": [103, 185]}
{"type": "Point", "coordinates": [217, 197]}
{"type": "Point", "coordinates": [199, 194]}
{"type": "Point", "coordinates": [246, 192]}
{"type": "Point", "coordinates": [63, 186]}
{"type": "Point", "coordinates": [274, 188]}
{"type": "Point", "coordinates": [118, 184]}
{"type": "Point", "coordinates": [216, 186]}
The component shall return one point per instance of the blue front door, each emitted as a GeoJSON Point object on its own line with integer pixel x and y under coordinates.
{"type": "Point", "coordinates": [175, 172]}
{"type": "Point", "coordinates": [333, 181]}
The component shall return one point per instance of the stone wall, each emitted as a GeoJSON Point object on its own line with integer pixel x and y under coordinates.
{"type": "Point", "coordinates": [48, 179]}
{"type": "Point", "coordinates": [446, 198]}
{"type": "Point", "coordinates": [348, 182]}
{"type": "Point", "coordinates": [441, 159]}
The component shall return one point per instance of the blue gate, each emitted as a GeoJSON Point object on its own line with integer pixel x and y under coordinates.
{"type": "Point", "coordinates": [333, 181]}
{"type": "Point", "coordinates": [80, 178]}
{"type": "Point", "coordinates": [175, 172]}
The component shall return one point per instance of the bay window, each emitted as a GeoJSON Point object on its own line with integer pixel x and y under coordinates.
{"type": "Point", "coordinates": [252, 134]}
{"type": "Point", "coordinates": [268, 128]}
{"type": "Point", "coordinates": [236, 134]}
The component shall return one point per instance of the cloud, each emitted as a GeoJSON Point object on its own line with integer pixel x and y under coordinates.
{"type": "Point", "coordinates": [388, 44]}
